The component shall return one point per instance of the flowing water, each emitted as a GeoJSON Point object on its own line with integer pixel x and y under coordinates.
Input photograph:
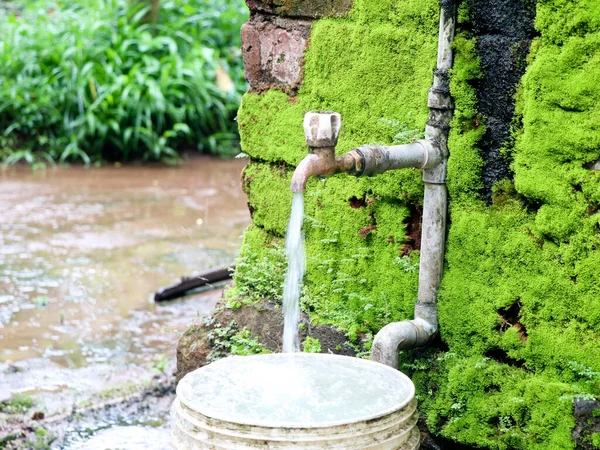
{"type": "Point", "coordinates": [294, 246]}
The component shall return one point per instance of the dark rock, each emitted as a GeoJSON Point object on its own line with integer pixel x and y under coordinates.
{"type": "Point", "coordinates": [586, 423]}
{"type": "Point", "coordinates": [302, 8]}
{"type": "Point", "coordinates": [504, 29]}
{"type": "Point", "coordinates": [513, 18]}
{"type": "Point", "coordinates": [193, 349]}
{"type": "Point", "coordinates": [594, 165]}
{"type": "Point", "coordinates": [332, 340]}
{"type": "Point", "coordinates": [273, 51]}
{"type": "Point", "coordinates": [264, 320]}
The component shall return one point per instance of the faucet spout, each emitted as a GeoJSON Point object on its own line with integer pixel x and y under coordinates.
{"type": "Point", "coordinates": [322, 162]}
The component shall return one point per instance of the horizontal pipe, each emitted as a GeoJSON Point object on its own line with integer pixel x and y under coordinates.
{"type": "Point", "coordinates": [376, 159]}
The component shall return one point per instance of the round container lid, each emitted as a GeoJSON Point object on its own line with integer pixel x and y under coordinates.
{"type": "Point", "coordinates": [295, 390]}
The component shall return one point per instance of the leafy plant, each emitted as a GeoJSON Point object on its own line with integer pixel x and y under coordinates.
{"type": "Point", "coordinates": [92, 80]}
{"type": "Point", "coordinates": [399, 133]}
{"type": "Point", "coordinates": [587, 374]}
{"type": "Point", "coordinates": [18, 404]}
{"type": "Point", "coordinates": [229, 340]}
{"type": "Point", "coordinates": [311, 345]}
{"type": "Point", "coordinates": [259, 276]}
{"type": "Point", "coordinates": [160, 362]}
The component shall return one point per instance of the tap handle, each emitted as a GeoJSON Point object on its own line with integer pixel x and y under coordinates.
{"type": "Point", "coordinates": [322, 128]}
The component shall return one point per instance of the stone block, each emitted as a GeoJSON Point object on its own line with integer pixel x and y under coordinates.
{"type": "Point", "coordinates": [302, 8]}
{"type": "Point", "coordinates": [273, 50]}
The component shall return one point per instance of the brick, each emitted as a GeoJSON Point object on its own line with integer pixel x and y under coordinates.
{"type": "Point", "coordinates": [273, 51]}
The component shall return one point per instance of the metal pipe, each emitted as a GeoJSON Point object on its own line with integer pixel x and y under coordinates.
{"type": "Point", "coordinates": [418, 332]}
{"type": "Point", "coordinates": [322, 162]}
{"type": "Point", "coordinates": [367, 160]}
{"type": "Point", "coordinates": [321, 130]}
{"type": "Point", "coordinates": [375, 159]}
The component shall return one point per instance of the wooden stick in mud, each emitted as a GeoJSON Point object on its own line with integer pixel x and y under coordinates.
{"type": "Point", "coordinates": [187, 284]}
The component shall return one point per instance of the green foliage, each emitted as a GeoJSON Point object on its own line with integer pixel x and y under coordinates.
{"type": "Point", "coordinates": [160, 362]}
{"type": "Point", "coordinates": [596, 440]}
{"type": "Point", "coordinates": [260, 270]}
{"type": "Point", "coordinates": [230, 340]}
{"type": "Point", "coordinates": [478, 401]}
{"type": "Point", "coordinates": [400, 133]}
{"type": "Point", "coordinates": [18, 404]}
{"type": "Point", "coordinates": [311, 345]}
{"type": "Point", "coordinates": [343, 286]}
{"type": "Point", "coordinates": [42, 440]}
{"type": "Point", "coordinates": [91, 81]}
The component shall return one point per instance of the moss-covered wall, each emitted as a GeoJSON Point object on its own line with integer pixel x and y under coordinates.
{"type": "Point", "coordinates": [520, 301]}
{"type": "Point", "coordinates": [374, 67]}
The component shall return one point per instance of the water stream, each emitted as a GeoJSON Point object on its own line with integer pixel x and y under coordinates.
{"type": "Point", "coordinates": [294, 246]}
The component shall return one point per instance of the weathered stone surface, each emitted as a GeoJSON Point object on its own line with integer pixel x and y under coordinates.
{"type": "Point", "coordinates": [273, 51]}
{"type": "Point", "coordinates": [302, 8]}
{"type": "Point", "coordinates": [193, 349]}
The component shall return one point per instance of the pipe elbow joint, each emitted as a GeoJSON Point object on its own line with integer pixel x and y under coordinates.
{"type": "Point", "coordinates": [398, 336]}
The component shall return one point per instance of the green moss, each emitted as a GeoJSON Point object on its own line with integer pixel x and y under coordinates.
{"type": "Point", "coordinates": [268, 189]}
{"type": "Point", "coordinates": [383, 50]}
{"type": "Point", "coordinates": [270, 127]}
{"type": "Point", "coordinates": [519, 301]}
{"type": "Point", "coordinates": [531, 252]}
{"type": "Point", "coordinates": [467, 128]}
{"type": "Point", "coordinates": [260, 269]}
{"type": "Point", "coordinates": [355, 274]}
{"type": "Point", "coordinates": [596, 440]}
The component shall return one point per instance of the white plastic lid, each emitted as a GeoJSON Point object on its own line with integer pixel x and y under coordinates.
{"type": "Point", "coordinates": [295, 390]}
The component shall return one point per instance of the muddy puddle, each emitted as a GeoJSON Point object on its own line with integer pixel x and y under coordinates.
{"type": "Point", "coordinates": [81, 254]}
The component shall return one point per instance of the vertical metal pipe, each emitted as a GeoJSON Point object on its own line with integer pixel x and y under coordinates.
{"type": "Point", "coordinates": [435, 202]}
{"type": "Point", "coordinates": [419, 331]}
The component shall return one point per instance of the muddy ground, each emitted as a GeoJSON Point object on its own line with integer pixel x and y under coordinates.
{"type": "Point", "coordinates": [86, 356]}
